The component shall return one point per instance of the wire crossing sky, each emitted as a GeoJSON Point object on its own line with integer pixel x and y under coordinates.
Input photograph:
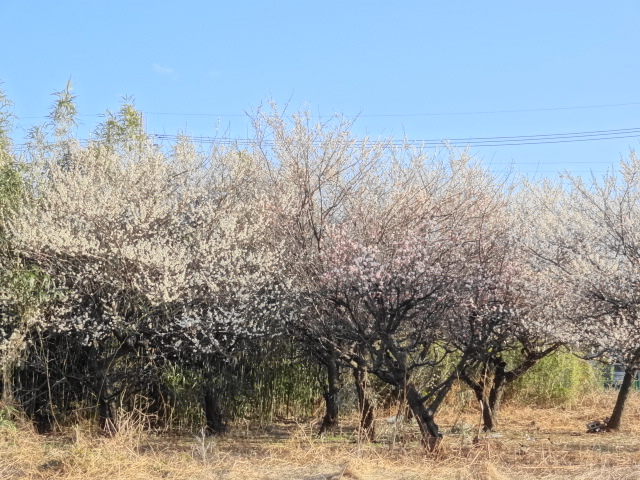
{"type": "Point", "coordinates": [540, 87]}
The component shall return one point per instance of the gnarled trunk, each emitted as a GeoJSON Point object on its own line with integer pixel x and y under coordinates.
{"type": "Point", "coordinates": [105, 389]}
{"type": "Point", "coordinates": [431, 436]}
{"type": "Point", "coordinates": [489, 403]}
{"type": "Point", "coordinates": [367, 427]}
{"type": "Point", "coordinates": [625, 388]}
{"type": "Point", "coordinates": [490, 389]}
{"type": "Point", "coordinates": [330, 395]}
{"type": "Point", "coordinates": [424, 415]}
{"type": "Point", "coordinates": [106, 412]}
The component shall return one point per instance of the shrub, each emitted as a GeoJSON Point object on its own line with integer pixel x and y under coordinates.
{"type": "Point", "coordinates": [559, 379]}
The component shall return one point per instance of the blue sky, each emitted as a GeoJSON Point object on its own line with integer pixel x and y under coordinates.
{"type": "Point", "coordinates": [418, 69]}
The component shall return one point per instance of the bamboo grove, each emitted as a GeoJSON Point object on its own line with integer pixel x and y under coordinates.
{"type": "Point", "coordinates": [202, 285]}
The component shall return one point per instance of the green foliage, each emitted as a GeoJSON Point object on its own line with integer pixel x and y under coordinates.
{"type": "Point", "coordinates": [6, 116]}
{"type": "Point", "coordinates": [557, 380]}
{"type": "Point", "coordinates": [269, 379]}
{"type": "Point", "coordinates": [64, 111]}
{"type": "Point", "coordinates": [30, 288]}
{"type": "Point", "coordinates": [11, 188]}
{"type": "Point", "coordinates": [124, 128]}
{"type": "Point", "coordinates": [7, 416]}
{"type": "Point", "coordinates": [184, 388]}
{"type": "Point", "coordinates": [265, 380]}
{"type": "Point", "coordinates": [54, 138]}
{"type": "Point", "coordinates": [11, 193]}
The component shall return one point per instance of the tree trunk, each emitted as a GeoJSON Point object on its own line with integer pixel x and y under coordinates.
{"type": "Point", "coordinates": [40, 408]}
{"type": "Point", "coordinates": [431, 436]}
{"type": "Point", "coordinates": [490, 404]}
{"type": "Point", "coordinates": [216, 423]}
{"type": "Point", "coordinates": [7, 387]}
{"type": "Point", "coordinates": [104, 393]}
{"type": "Point", "coordinates": [488, 419]}
{"type": "Point", "coordinates": [106, 412]}
{"type": "Point", "coordinates": [330, 394]}
{"type": "Point", "coordinates": [495, 402]}
{"type": "Point", "coordinates": [490, 390]}
{"type": "Point", "coordinates": [616, 416]}
{"type": "Point", "coordinates": [106, 406]}
{"type": "Point", "coordinates": [367, 427]}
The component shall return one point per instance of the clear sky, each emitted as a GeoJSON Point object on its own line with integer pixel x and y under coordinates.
{"type": "Point", "coordinates": [420, 69]}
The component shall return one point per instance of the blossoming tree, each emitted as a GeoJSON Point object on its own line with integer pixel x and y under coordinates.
{"type": "Point", "coordinates": [393, 270]}
{"type": "Point", "coordinates": [155, 256]}
{"type": "Point", "coordinates": [502, 306]}
{"type": "Point", "coordinates": [588, 237]}
{"type": "Point", "coordinates": [316, 171]}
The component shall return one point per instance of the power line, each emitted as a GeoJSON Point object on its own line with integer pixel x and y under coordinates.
{"type": "Point", "coordinates": [474, 142]}
{"type": "Point", "coordinates": [543, 136]}
{"type": "Point", "coordinates": [499, 141]}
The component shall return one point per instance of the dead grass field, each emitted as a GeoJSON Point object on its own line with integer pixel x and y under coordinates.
{"type": "Point", "coordinates": [530, 444]}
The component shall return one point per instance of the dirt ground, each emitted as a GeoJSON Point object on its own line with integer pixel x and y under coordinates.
{"type": "Point", "coordinates": [531, 443]}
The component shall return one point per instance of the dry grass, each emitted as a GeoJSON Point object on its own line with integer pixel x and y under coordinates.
{"type": "Point", "coordinates": [531, 444]}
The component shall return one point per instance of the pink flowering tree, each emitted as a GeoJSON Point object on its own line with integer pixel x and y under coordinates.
{"type": "Point", "coordinates": [497, 323]}
{"type": "Point", "coordinates": [393, 271]}
{"type": "Point", "coordinates": [501, 303]}
{"type": "Point", "coordinates": [389, 300]}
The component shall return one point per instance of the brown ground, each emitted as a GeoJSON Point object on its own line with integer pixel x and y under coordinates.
{"type": "Point", "coordinates": [530, 444]}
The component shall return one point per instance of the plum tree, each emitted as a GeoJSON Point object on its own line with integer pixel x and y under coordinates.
{"type": "Point", "coordinates": [587, 236]}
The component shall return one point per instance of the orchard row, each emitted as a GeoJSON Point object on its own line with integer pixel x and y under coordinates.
{"type": "Point", "coordinates": [127, 264]}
